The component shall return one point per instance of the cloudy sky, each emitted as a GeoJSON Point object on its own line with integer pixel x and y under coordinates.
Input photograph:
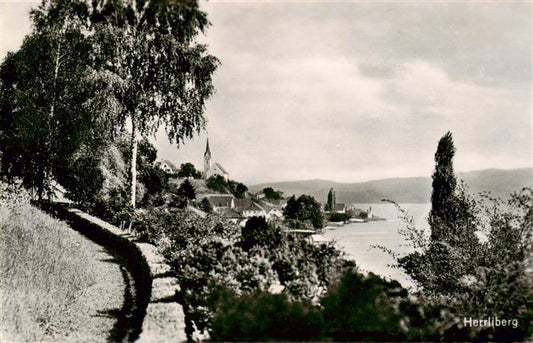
{"type": "Point", "coordinates": [354, 91]}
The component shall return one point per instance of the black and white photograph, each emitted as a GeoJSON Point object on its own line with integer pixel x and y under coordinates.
{"type": "Point", "coordinates": [266, 171]}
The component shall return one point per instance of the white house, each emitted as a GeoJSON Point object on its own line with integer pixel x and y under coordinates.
{"type": "Point", "coordinates": [221, 202]}
{"type": "Point", "coordinates": [254, 210]}
{"type": "Point", "coordinates": [167, 166]}
{"type": "Point", "coordinates": [274, 213]}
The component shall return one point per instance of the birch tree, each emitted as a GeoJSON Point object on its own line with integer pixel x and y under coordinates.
{"type": "Point", "coordinates": [165, 75]}
{"type": "Point", "coordinates": [42, 116]}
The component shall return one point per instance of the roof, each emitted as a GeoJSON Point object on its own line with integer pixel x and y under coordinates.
{"type": "Point", "coordinates": [220, 199]}
{"type": "Point", "coordinates": [253, 207]}
{"type": "Point", "coordinates": [221, 168]}
{"type": "Point", "coordinates": [207, 151]}
{"type": "Point", "coordinates": [230, 213]}
{"type": "Point", "coordinates": [242, 203]}
{"type": "Point", "coordinates": [168, 163]}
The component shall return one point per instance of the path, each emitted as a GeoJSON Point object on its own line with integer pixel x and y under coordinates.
{"type": "Point", "coordinates": [149, 312]}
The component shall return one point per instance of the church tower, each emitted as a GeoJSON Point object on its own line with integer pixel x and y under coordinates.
{"type": "Point", "coordinates": [207, 159]}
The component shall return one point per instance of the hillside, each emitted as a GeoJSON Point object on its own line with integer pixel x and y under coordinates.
{"type": "Point", "coordinates": [499, 182]}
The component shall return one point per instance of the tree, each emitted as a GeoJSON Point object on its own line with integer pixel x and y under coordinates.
{"type": "Point", "coordinates": [46, 114]}
{"type": "Point", "coordinates": [163, 76]}
{"type": "Point", "coordinates": [257, 232]}
{"type": "Point", "coordinates": [187, 190]}
{"type": "Point", "coordinates": [188, 170]}
{"type": "Point", "coordinates": [271, 194]}
{"type": "Point", "coordinates": [450, 253]}
{"type": "Point", "coordinates": [216, 183]}
{"type": "Point", "coordinates": [206, 206]}
{"type": "Point", "coordinates": [304, 208]}
{"type": "Point", "coordinates": [444, 183]}
{"type": "Point", "coordinates": [237, 189]}
{"type": "Point", "coordinates": [330, 205]}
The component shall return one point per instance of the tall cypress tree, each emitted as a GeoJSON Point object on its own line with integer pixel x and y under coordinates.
{"type": "Point", "coordinates": [330, 205]}
{"type": "Point", "coordinates": [444, 184]}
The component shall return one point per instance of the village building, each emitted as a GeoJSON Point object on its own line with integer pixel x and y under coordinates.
{"type": "Point", "coordinates": [221, 202]}
{"type": "Point", "coordinates": [339, 208]}
{"type": "Point", "coordinates": [274, 213]}
{"type": "Point", "coordinates": [216, 168]}
{"type": "Point", "coordinates": [254, 210]}
{"type": "Point", "coordinates": [166, 166]}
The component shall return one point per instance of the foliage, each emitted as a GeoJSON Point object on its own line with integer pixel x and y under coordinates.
{"type": "Point", "coordinates": [304, 208]}
{"type": "Point", "coordinates": [45, 108]}
{"type": "Point", "coordinates": [83, 179]}
{"type": "Point", "coordinates": [217, 183]}
{"type": "Point", "coordinates": [339, 217]}
{"type": "Point", "coordinates": [210, 255]}
{"type": "Point", "coordinates": [362, 308]}
{"type": "Point", "coordinates": [257, 232]}
{"type": "Point", "coordinates": [444, 183]}
{"type": "Point", "coordinates": [363, 214]}
{"type": "Point", "coordinates": [271, 194]}
{"type": "Point", "coordinates": [206, 206]}
{"type": "Point", "coordinates": [188, 170]}
{"type": "Point", "coordinates": [451, 253]}
{"type": "Point", "coordinates": [262, 316]}
{"type": "Point", "coordinates": [237, 189]}
{"type": "Point", "coordinates": [187, 190]}
{"type": "Point", "coordinates": [134, 40]}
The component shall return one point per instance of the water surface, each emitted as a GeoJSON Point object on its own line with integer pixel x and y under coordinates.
{"type": "Point", "coordinates": [357, 239]}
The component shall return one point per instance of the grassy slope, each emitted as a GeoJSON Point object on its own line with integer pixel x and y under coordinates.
{"type": "Point", "coordinates": [55, 284]}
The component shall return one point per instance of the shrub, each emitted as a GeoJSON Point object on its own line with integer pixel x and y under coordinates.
{"type": "Point", "coordinates": [261, 316]}
{"type": "Point", "coordinates": [363, 308]}
{"type": "Point", "coordinates": [206, 206]}
{"type": "Point", "coordinates": [339, 217]}
{"type": "Point", "coordinates": [187, 190]}
{"type": "Point", "coordinates": [304, 208]}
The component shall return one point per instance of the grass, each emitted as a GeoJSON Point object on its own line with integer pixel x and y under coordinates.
{"type": "Point", "coordinates": [43, 269]}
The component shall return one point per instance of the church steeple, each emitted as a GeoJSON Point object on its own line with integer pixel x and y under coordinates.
{"type": "Point", "coordinates": [207, 158]}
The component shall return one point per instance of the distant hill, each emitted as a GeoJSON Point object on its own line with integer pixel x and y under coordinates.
{"type": "Point", "coordinates": [499, 182]}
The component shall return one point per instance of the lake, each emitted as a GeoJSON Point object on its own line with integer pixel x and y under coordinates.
{"type": "Point", "coordinates": [356, 239]}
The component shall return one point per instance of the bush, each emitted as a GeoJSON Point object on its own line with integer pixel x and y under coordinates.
{"type": "Point", "coordinates": [217, 184]}
{"type": "Point", "coordinates": [187, 190]}
{"type": "Point", "coordinates": [271, 194]}
{"type": "Point", "coordinates": [262, 316]}
{"type": "Point", "coordinates": [363, 308]}
{"type": "Point", "coordinates": [205, 205]}
{"type": "Point", "coordinates": [304, 208]}
{"type": "Point", "coordinates": [339, 217]}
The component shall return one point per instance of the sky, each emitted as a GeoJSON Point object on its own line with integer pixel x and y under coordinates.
{"type": "Point", "coordinates": [351, 91]}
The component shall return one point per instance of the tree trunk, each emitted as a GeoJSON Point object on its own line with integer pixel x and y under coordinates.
{"type": "Point", "coordinates": [133, 173]}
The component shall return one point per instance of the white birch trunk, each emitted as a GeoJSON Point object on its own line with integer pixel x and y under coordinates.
{"type": "Point", "coordinates": [133, 173]}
